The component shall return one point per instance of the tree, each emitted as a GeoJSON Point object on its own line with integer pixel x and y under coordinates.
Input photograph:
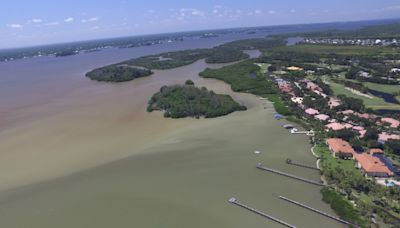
{"type": "Point", "coordinates": [272, 68]}
{"type": "Point", "coordinates": [189, 82]}
{"type": "Point", "coordinates": [393, 146]}
{"type": "Point", "coordinates": [371, 134]}
{"type": "Point", "coordinates": [352, 73]}
{"type": "Point", "coordinates": [345, 134]}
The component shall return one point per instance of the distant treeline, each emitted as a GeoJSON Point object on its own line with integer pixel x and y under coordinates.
{"type": "Point", "coordinates": [225, 53]}
{"type": "Point", "coordinates": [389, 31]}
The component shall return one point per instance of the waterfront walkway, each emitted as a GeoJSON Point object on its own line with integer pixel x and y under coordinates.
{"type": "Point", "coordinates": [317, 211]}
{"type": "Point", "coordinates": [291, 162]}
{"type": "Point", "coordinates": [236, 202]}
{"type": "Point", "coordinates": [260, 166]}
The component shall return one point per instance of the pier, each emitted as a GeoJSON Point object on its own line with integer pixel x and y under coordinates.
{"type": "Point", "coordinates": [236, 202]}
{"type": "Point", "coordinates": [291, 162]}
{"type": "Point", "coordinates": [317, 211]}
{"type": "Point", "coordinates": [260, 166]}
{"type": "Point", "coordinates": [308, 133]}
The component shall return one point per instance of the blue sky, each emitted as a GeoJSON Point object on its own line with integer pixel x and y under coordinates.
{"type": "Point", "coordinates": [27, 23]}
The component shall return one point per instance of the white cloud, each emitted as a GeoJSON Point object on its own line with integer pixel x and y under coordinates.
{"type": "Point", "coordinates": [93, 19]}
{"type": "Point", "coordinates": [215, 11]}
{"type": "Point", "coordinates": [272, 12]}
{"type": "Point", "coordinates": [69, 19]}
{"type": "Point", "coordinates": [293, 11]}
{"type": "Point", "coordinates": [52, 23]}
{"type": "Point", "coordinates": [151, 11]}
{"type": "Point", "coordinates": [95, 28]}
{"type": "Point", "coordinates": [192, 11]}
{"type": "Point", "coordinates": [14, 26]}
{"type": "Point", "coordinates": [34, 20]}
{"type": "Point", "coordinates": [257, 12]}
{"type": "Point", "coordinates": [197, 12]}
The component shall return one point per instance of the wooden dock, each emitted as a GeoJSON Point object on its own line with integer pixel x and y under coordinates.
{"type": "Point", "coordinates": [260, 166]}
{"type": "Point", "coordinates": [317, 211]}
{"type": "Point", "coordinates": [236, 202]}
{"type": "Point", "coordinates": [291, 162]}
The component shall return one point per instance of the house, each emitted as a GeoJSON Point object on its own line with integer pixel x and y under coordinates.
{"type": "Point", "coordinates": [338, 126]}
{"type": "Point", "coordinates": [384, 137]}
{"type": "Point", "coordinates": [333, 102]}
{"type": "Point", "coordinates": [285, 87]}
{"type": "Point", "coordinates": [322, 117]}
{"type": "Point", "coordinates": [340, 148]}
{"type": "Point", "coordinates": [393, 122]}
{"type": "Point", "coordinates": [311, 111]}
{"type": "Point", "coordinates": [312, 86]}
{"type": "Point", "coordinates": [372, 166]}
{"type": "Point", "coordinates": [365, 115]}
{"type": "Point", "coordinates": [347, 112]}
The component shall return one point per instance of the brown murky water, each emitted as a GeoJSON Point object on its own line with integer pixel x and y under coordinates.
{"type": "Point", "coordinates": [78, 153]}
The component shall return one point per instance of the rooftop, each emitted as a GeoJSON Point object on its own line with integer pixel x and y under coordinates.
{"type": "Point", "coordinates": [383, 137]}
{"type": "Point", "coordinates": [393, 122]}
{"type": "Point", "coordinates": [340, 146]}
{"type": "Point", "coordinates": [338, 126]}
{"type": "Point", "coordinates": [372, 164]}
{"type": "Point", "coordinates": [322, 117]}
{"type": "Point", "coordinates": [311, 111]}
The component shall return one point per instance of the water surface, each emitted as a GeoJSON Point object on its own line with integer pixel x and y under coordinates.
{"type": "Point", "coordinates": [80, 153]}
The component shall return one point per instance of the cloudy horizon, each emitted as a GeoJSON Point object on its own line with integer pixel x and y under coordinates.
{"type": "Point", "coordinates": [69, 21]}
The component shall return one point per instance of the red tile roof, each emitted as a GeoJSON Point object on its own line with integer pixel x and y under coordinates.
{"type": "Point", "coordinates": [340, 146]}
{"type": "Point", "coordinates": [372, 164]}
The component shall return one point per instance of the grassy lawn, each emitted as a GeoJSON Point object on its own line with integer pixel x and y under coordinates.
{"type": "Point", "coordinates": [340, 50]}
{"type": "Point", "coordinates": [382, 87]}
{"type": "Point", "coordinates": [374, 103]}
{"type": "Point", "coordinates": [328, 160]}
{"type": "Point", "coordinates": [263, 67]}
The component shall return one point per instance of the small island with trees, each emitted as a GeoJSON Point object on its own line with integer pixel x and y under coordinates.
{"type": "Point", "coordinates": [179, 101]}
{"type": "Point", "coordinates": [118, 73]}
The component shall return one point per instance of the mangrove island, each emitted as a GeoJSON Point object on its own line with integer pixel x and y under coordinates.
{"type": "Point", "coordinates": [180, 101]}
{"type": "Point", "coordinates": [118, 73]}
